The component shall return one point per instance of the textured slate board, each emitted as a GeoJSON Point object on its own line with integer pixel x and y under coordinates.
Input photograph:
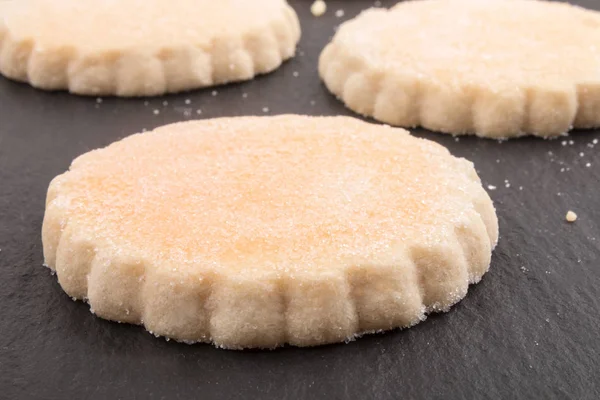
{"type": "Point", "coordinates": [528, 330]}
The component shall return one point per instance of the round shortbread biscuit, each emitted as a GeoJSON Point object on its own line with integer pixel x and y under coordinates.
{"type": "Point", "coordinates": [262, 231]}
{"type": "Point", "coordinates": [143, 47]}
{"type": "Point", "coordinates": [494, 68]}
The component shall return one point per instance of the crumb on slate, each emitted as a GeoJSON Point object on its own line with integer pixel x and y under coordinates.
{"type": "Point", "coordinates": [318, 8]}
{"type": "Point", "coordinates": [571, 216]}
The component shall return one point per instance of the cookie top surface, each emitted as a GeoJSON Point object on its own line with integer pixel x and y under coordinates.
{"type": "Point", "coordinates": [120, 24]}
{"type": "Point", "coordinates": [496, 42]}
{"type": "Point", "coordinates": [280, 193]}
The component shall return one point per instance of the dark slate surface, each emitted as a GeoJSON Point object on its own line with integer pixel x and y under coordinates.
{"type": "Point", "coordinates": [528, 330]}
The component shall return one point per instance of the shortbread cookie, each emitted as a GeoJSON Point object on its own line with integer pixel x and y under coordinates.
{"type": "Point", "coordinates": [494, 68]}
{"type": "Point", "coordinates": [261, 231]}
{"type": "Point", "coordinates": [143, 47]}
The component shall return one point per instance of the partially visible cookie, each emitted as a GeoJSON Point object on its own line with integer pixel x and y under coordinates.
{"type": "Point", "coordinates": [261, 231]}
{"type": "Point", "coordinates": [143, 47]}
{"type": "Point", "coordinates": [494, 68]}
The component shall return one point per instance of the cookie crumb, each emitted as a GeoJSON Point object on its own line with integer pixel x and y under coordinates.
{"type": "Point", "coordinates": [156, 112]}
{"type": "Point", "coordinates": [571, 216]}
{"type": "Point", "coordinates": [188, 101]}
{"type": "Point", "coordinates": [491, 187]}
{"type": "Point", "coordinates": [339, 13]}
{"type": "Point", "coordinates": [198, 111]}
{"type": "Point", "coordinates": [265, 109]}
{"type": "Point", "coordinates": [318, 8]}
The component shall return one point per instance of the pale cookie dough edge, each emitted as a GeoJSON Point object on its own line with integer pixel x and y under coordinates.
{"type": "Point", "coordinates": [142, 73]}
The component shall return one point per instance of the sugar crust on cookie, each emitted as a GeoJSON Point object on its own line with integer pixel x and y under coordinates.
{"type": "Point", "coordinates": [143, 47]}
{"type": "Point", "coordinates": [494, 68]}
{"type": "Point", "coordinates": [260, 231]}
